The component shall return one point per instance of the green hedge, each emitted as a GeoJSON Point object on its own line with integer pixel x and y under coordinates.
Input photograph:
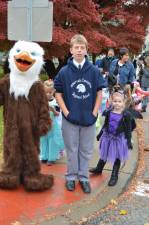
{"type": "Point", "coordinates": [44, 76]}
{"type": "Point", "coordinates": [1, 72]}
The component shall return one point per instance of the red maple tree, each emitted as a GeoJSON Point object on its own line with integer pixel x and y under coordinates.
{"type": "Point", "coordinates": [71, 17]}
{"type": "Point", "coordinates": [123, 24]}
{"type": "Point", "coordinates": [105, 23]}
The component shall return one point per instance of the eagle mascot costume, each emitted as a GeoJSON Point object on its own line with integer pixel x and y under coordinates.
{"type": "Point", "coordinates": [26, 118]}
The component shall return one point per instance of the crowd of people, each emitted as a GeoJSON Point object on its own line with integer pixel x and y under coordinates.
{"type": "Point", "coordinates": [113, 90]}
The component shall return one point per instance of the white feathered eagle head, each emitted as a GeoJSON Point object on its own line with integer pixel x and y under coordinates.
{"type": "Point", "coordinates": [25, 63]}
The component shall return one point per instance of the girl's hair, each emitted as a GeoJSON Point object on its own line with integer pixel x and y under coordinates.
{"type": "Point", "coordinates": [49, 84]}
{"type": "Point", "coordinates": [118, 90]}
{"type": "Point", "coordinates": [78, 39]}
{"type": "Point", "coordinates": [128, 94]}
{"type": "Point", "coordinates": [120, 93]}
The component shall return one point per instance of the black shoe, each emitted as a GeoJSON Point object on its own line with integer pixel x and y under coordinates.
{"type": "Point", "coordinates": [99, 168]}
{"type": "Point", "coordinates": [144, 108]}
{"type": "Point", "coordinates": [85, 185]}
{"type": "Point", "coordinates": [113, 181]}
{"type": "Point", "coordinates": [114, 176]}
{"type": "Point", "coordinates": [95, 171]}
{"type": "Point", "coordinates": [70, 185]}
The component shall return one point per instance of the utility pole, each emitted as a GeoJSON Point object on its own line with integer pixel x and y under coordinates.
{"type": "Point", "coordinates": [29, 19]}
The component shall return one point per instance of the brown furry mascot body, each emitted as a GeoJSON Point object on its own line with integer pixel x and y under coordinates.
{"type": "Point", "coordinates": [26, 118]}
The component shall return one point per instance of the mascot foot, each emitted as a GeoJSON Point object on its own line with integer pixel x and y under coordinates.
{"type": "Point", "coordinates": [9, 181]}
{"type": "Point", "coordinates": [38, 182]}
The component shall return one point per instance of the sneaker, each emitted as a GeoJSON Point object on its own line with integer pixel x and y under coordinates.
{"type": "Point", "coordinates": [70, 185]}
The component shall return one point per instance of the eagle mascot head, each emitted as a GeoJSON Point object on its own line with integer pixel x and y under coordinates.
{"type": "Point", "coordinates": [25, 63]}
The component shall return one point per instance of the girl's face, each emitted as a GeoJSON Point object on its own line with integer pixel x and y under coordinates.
{"type": "Point", "coordinates": [49, 92]}
{"type": "Point", "coordinates": [118, 101]}
{"type": "Point", "coordinates": [125, 57]}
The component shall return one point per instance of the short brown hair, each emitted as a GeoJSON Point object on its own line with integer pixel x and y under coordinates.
{"type": "Point", "coordinates": [78, 39]}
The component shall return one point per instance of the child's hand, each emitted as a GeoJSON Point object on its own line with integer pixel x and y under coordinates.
{"type": "Point", "coordinates": [56, 113]}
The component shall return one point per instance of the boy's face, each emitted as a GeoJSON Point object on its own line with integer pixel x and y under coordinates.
{"type": "Point", "coordinates": [78, 51]}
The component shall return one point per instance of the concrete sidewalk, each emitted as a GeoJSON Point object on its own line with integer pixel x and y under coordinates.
{"type": "Point", "coordinates": [101, 194]}
{"type": "Point", "coordinates": [58, 206]}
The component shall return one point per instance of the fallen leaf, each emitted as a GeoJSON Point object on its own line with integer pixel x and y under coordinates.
{"type": "Point", "coordinates": [113, 202]}
{"type": "Point", "coordinates": [84, 219]}
{"type": "Point", "coordinates": [146, 148]}
{"type": "Point", "coordinates": [123, 212]}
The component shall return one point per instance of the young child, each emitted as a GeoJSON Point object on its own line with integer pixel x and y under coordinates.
{"type": "Point", "coordinates": [78, 92]}
{"type": "Point", "coordinates": [139, 95]}
{"type": "Point", "coordinates": [115, 136]}
{"type": "Point", "coordinates": [104, 105]}
{"type": "Point", "coordinates": [52, 143]}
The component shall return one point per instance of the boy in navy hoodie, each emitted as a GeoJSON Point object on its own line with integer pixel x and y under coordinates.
{"type": "Point", "coordinates": [78, 92]}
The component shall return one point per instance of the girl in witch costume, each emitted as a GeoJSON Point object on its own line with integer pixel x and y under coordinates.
{"type": "Point", "coordinates": [115, 136]}
{"type": "Point", "coordinates": [26, 118]}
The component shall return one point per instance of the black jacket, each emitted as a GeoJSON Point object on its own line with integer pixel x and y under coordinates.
{"type": "Point", "coordinates": [105, 63]}
{"type": "Point", "coordinates": [127, 125]}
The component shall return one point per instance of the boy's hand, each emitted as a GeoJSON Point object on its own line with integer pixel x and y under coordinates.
{"type": "Point", "coordinates": [94, 114]}
{"type": "Point", "coordinates": [66, 114]}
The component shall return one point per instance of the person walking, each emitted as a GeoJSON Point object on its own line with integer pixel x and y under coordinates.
{"type": "Point", "coordinates": [145, 81]}
{"type": "Point", "coordinates": [121, 70]}
{"type": "Point", "coordinates": [106, 61]}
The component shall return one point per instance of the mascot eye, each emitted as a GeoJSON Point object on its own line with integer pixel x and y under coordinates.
{"type": "Point", "coordinates": [33, 53]}
{"type": "Point", "coordinates": [18, 50]}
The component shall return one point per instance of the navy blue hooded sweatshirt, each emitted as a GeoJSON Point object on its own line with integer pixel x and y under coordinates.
{"type": "Point", "coordinates": [79, 88]}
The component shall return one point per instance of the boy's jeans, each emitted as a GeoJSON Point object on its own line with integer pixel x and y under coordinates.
{"type": "Point", "coordinates": [79, 142]}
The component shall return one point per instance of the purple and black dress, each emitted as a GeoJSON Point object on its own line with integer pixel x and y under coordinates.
{"type": "Point", "coordinates": [113, 146]}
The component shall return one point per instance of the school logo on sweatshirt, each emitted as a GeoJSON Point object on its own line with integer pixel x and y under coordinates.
{"type": "Point", "coordinates": [81, 89]}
